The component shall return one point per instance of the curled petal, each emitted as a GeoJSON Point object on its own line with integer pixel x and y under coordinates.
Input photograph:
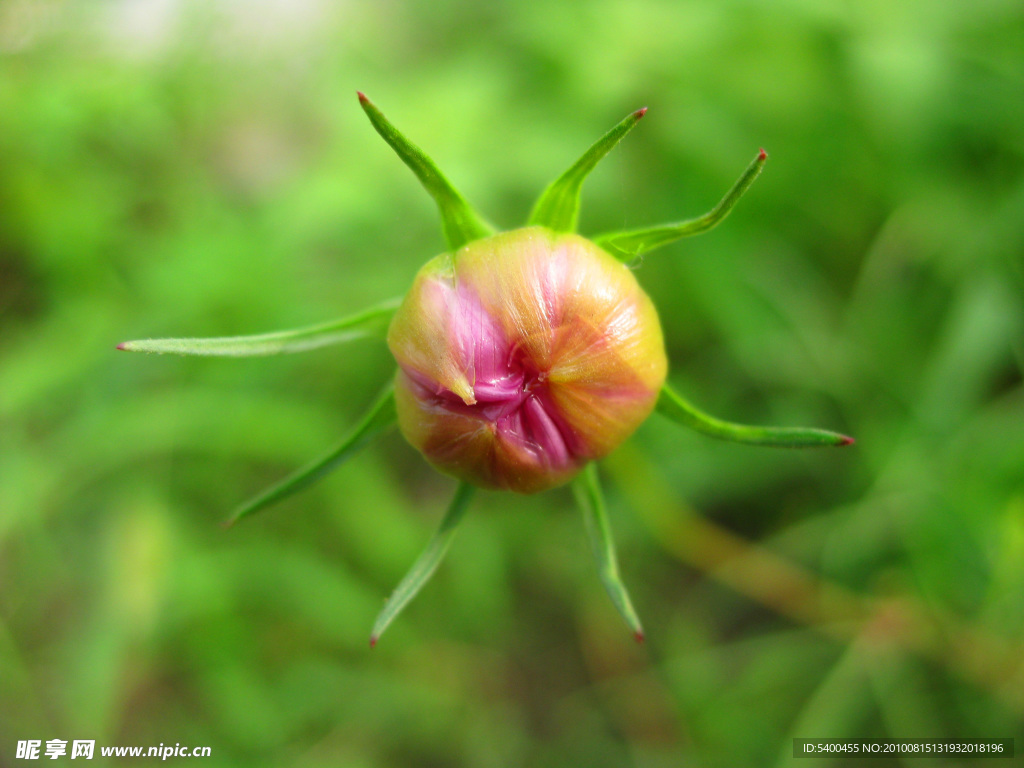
{"type": "Point", "coordinates": [524, 356]}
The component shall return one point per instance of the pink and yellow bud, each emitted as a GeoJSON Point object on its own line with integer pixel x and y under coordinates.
{"type": "Point", "coordinates": [522, 357]}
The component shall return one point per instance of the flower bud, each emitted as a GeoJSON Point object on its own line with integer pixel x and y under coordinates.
{"type": "Point", "coordinates": [522, 357]}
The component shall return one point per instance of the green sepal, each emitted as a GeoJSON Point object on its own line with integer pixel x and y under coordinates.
{"type": "Point", "coordinates": [559, 205]}
{"type": "Point", "coordinates": [380, 417]}
{"type": "Point", "coordinates": [425, 564]}
{"type": "Point", "coordinates": [371, 322]}
{"type": "Point", "coordinates": [587, 490]}
{"type": "Point", "coordinates": [460, 222]}
{"type": "Point", "coordinates": [627, 245]}
{"type": "Point", "coordinates": [676, 407]}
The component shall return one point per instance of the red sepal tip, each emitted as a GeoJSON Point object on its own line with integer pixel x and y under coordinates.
{"type": "Point", "coordinates": [640, 113]}
{"type": "Point", "coordinates": [762, 155]}
{"type": "Point", "coordinates": [847, 441]}
{"type": "Point", "coordinates": [362, 97]}
{"type": "Point", "coordinates": [373, 641]}
{"type": "Point", "coordinates": [639, 637]}
{"type": "Point", "coordinates": [123, 346]}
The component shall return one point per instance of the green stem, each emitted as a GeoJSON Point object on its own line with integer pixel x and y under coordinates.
{"type": "Point", "coordinates": [676, 407]}
{"type": "Point", "coordinates": [627, 245]}
{"type": "Point", "coordinates": [460, 222]}
{"type": "Point", "coordinates": [372, 322]}
{"type": "Point", "coordinates": [559, 205]}
{"type": "Point", "coordinates": [425, 564]}
{"type": "Point", "coordinates": [587, 490]}
{"type": "Point", "coordinates": [379, 418]}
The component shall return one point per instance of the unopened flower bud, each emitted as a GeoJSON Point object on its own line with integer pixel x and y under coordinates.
{"type": "Point", "coordinates": [522, 357]}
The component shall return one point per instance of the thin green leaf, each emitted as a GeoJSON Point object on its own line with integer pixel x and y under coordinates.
{"type": "Point", "coordinates": [380, 417]}
{"type": "Point", "coordinates": [372, 322]}
{"type": "Point", "coordinates": [587, 490]}
{"type": "Point", "coordinates": [627, 245]}
{"type": "Point", "coordinates": [676, 407]}
{"type": "Point", "coordinates": [559, 205]}
{"type": "Point", "coordinates": [426, 564]}
{"type": "Point", "coordinates": [460, 222]}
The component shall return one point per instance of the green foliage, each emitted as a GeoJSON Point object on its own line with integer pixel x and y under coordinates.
{"type": "Point", "coordinates": [461, 224]}
{"type": "Point", "coordinates": [631, 244]}
{"type": "Point", "coordinates": [370, 323]}
{"type": "Point", "coordinates": [210, 173]}
{"type": "Point", "coordinates": [426, 563]}
{"type": "Point", "coordinates": [590, 498]}
{"type": "Point", "coordinates": [674, 406]}
{"type": "Point", "coordinates": [380, 418]}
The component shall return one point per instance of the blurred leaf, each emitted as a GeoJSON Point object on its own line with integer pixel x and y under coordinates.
{"type": "Point", "coordinates": [838, 708]}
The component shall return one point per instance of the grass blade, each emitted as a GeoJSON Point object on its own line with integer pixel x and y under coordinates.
{"type": "Point", "coordinates": [380, 417]}
{"type": "Point", "coordinates": [460, 222]}
{"type": "Point", "coordinates": [559, 205]}
{"type": "Point", "coordinates": [676, 407]}
{"type": "Point", "coordinates": [587, 490]}
{"type": "Point", "coordinates": [425, 564]}
{"type": "Point", "coordinates": [629, 244]}
{"type": "Point", "coordinates": [372, 322]}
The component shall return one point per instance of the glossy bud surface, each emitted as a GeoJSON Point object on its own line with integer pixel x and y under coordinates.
{"type": "Point", "coordinates": [522, 357]}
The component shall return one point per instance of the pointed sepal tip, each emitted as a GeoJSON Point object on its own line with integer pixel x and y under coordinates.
{"type": "Point", "coordinates": [559, 204]}
{"type": "Point", "coordinates": [629, 245]}
{"type": "Point", "coordinates": [425, 564]}
{"type": "Point", "coordinates": [682, 411]}
{"type": "Point", "coordinates": [590, 498]}
{"type": "Point", "coordinates": [460, 222]}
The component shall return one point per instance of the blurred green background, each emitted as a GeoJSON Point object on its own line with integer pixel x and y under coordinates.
{"type": "Point", "coordinates": [173, 168]}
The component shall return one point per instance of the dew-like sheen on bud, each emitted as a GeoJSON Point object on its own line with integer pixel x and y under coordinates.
{"type": "Point", "coordinates": [522, 357]}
